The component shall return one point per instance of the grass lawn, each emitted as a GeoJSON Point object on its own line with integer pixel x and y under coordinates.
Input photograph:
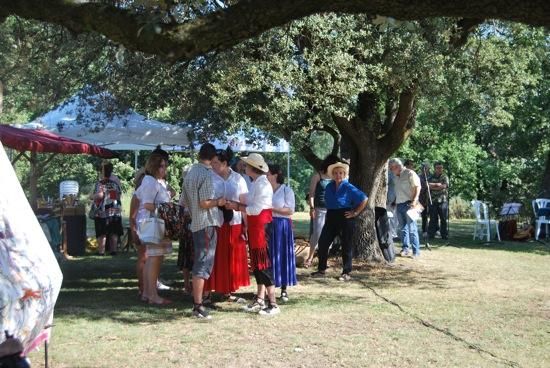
{"type": "Point", "coordinates": [463, 304]}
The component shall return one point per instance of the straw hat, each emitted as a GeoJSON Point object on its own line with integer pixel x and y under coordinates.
{"type": "Point", "coordinates": [337, 165]}
{"type": "Point", "coordinates": [256, 160]}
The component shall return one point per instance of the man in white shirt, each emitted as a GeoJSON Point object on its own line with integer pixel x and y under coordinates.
{"type": "Point", "coordinates": [407, 189]}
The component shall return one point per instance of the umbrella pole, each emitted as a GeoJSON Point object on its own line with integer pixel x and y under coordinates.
{"type": "Point", "coordinates": [288, 165]}
{"type": "Point", "coordinates": [46, 354]}
{"type": "Point", "coordinates": [33, 180]}
{"type": "Point", "coordinates": [136, 154]}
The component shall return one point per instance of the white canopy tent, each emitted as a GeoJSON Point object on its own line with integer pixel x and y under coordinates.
{"type": "Point", "coordinates": [88, 119]}
{"type": "Point", "coordinates": [97, 119]}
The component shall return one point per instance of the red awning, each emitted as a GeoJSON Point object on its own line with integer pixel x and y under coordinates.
{"type": "Point", "coordinates": [44, 141]}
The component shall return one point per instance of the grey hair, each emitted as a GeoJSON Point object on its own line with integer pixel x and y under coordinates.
{"type": "Point", "coordinates": [396, 161]}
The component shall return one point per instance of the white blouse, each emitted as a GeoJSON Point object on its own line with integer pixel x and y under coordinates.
{"type": "Point", "coordinates": [230, 189]}
{"type": "Point", "coordinates": [151, 190]}
{"type": "Point", "coordinates": [259, 197]}
{"type": "Point", "coordinates": [283, 197]}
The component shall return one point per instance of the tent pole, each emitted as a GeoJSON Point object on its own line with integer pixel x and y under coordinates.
{"type": "Point", "coordinates": [288, 165]}
{"type": "Point", "coordinates": [136, 154]}
{"type": "Point", "coordinates": [33, 180]}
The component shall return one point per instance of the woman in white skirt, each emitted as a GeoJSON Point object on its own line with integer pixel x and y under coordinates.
{"type": "Point", "coordinates": [152, 192]}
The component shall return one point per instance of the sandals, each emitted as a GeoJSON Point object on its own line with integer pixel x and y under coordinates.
{"type": "Point", "coordinates": [307, 263]}
{"type": "Point", "coordinates": [235, 299]}
{"type": "Point", "coordinates": [161, 302]}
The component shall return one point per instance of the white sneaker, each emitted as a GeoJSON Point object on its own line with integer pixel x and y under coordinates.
{"type": "Point", "coordinates": [161, 286]}
{"type": "Point", "coordinates": [256, 306]}
{"type": "Point", "coordinates": [272, 310]}
{"type": "Point", "coordinates": [284, 296]}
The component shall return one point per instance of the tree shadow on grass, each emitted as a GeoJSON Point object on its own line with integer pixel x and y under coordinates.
{"type": "Point", "coordinates": [388, 276]}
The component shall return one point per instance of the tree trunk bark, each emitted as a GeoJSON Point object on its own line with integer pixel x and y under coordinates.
{"type": "Point", "coordinates": [367, 172]}
{"type": "Point", "coordinates": [545, 185]}
{"type": "Point", "coordinates": [369, 153]}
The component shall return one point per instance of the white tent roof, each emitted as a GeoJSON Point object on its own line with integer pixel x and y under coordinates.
{"type": "Point", "coordinates": [86, 119]}
{"type": "Point", "coordinates": [239, 143]}
{"type": "Point", "coordinates": [92, 119]}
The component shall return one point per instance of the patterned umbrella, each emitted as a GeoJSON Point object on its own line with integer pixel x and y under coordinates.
{"type": "Point", "coordinates": [30, 278]}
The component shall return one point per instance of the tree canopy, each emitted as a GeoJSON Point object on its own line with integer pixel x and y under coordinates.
{"type": "Point", "coordinates": [183, 30]}
{"type": "Point", "coordinates": [466, 91]}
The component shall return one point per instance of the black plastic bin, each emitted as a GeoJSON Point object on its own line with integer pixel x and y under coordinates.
{"type": "Point", "coordinates": [76, 234]}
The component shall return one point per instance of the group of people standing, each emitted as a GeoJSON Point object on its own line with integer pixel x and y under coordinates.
{"type": "Point", "coordinates": [223, 212]}
{"type": "Point", "coordinates": [237, 218]}
{"type": "Point", "coordinates": [428, 193]}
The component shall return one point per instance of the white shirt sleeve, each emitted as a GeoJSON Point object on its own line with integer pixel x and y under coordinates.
{"type": "Point", "coordinates": [290, 200]}
{"type": "Point", "coordinates": [148, 190]}
{"type": "Point", "coordinates": [260, 197]}
{"type": "Point", "coordinates": [414, 179]}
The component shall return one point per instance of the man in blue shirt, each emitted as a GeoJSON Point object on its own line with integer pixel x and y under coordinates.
{"type": "Point", "coordinates": [344, 202]}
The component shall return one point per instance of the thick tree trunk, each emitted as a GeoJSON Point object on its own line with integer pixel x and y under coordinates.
{"type": "Point", "coordinates": [545, 185]}
{"type": "Point", "coordinates": [369, 148]}
{"type": "Point", "coordinates": [368, 172]}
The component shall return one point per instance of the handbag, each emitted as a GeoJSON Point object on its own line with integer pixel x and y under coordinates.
{"type": "Point", "coordinates": [93, 211]}
{"type": "Point", "coordinates": [170, 213]}
{"type": "Point", "coordinates": [151, 230]}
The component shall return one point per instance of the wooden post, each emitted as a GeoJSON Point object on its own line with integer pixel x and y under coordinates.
{"type": "Point", "coordinates": [33, 180]}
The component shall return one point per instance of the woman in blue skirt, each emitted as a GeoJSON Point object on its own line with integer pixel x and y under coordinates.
{"type": "Point", "coordinates": [281, 243]}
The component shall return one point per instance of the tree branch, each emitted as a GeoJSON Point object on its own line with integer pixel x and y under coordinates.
{"type": "Point", "coordinates": [336, 136]}
{"type": "Point", "coordinates": [464, 27]}
{"type": "Point", "coordinates": [225, 28]}
{"type": "Point", "coordinates": [310, 156]}
{"type": "Point", "coordinates": [401, 127]}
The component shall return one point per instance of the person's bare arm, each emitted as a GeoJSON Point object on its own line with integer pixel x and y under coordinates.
{"type": "Point", "coordinates": [285, 211]}
{"type": "Point", "coordinates": [312, 186]}
{"type": "Point", "coordinates": [211, 203]}
{"type": "Point", "coordinates": [357, 210]}
{"type": "Point", "coordinates": [415, 193]}
{"type": "Point", "coordinates": [437, 186]}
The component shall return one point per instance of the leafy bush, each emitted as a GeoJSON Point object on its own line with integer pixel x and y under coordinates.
{"type": "Point", "coordinates": [460, 208]}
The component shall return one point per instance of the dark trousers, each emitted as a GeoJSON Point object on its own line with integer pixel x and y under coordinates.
{"type": "Point", "coordinates": [264, 277]}
{"type": "Point", "coordinates": [425, 219]}
{"type": "Point", "coordinates": [336, 225]}
{"type": "Point", "coordinates": [438, 219]}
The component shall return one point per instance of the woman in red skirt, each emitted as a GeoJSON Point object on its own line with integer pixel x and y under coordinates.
{"type": "Point", "coordinates": [259, 215]}
{"type": "Point", "coordinates": [230, 270]}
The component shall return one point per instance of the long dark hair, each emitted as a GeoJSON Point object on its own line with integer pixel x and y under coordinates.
{"type": "Point", "coordinates": [275, 169]}
{"type": "Point", "coordinates": [225, 155]}
{"type": "Point", "coordinates": [329, 160]}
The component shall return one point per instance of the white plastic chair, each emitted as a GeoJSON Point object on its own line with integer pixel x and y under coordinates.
{"type": "Point", "coordinates": [539, 220]}
{"type": "Point", "coordinates": [68, 187]}
{"type": "Point", "coordinates": [483, 224]}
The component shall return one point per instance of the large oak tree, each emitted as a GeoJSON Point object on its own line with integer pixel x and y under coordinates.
{"type": "Point", "coordinates": [178, 30]}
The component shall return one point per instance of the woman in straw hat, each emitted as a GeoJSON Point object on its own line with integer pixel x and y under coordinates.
{"type": "Point", "coordinates": [258, 210]}
{"type": "Point", "coordinates": [344, 202]}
